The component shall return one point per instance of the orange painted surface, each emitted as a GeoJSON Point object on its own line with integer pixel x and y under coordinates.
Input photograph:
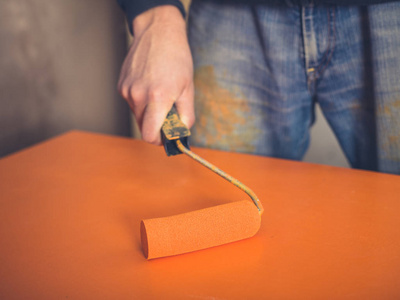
{"type": "Point", "coordinates": [70, 212]}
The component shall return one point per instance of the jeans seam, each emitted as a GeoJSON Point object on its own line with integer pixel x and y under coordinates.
{"type": "Point", "coordinates": [331, 44]}
{"type": "Point", "coordinates": [258, 28]}
{"type": "Point", "coordinates": [328, 48]}
{"type": "Point", "coordinates": [305, 46]}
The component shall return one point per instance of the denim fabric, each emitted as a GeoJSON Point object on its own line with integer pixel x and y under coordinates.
{"type": "Point", "coordinates": [259, 70]}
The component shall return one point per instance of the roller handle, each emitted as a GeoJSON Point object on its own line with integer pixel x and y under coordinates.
{"type": "Point", "coordinates": [175, 135]}
{"type": "Point", "coordinates": [174, 129]}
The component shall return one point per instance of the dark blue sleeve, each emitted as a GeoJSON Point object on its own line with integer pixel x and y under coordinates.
{"type": "Point", "coordinates": [132, 8]}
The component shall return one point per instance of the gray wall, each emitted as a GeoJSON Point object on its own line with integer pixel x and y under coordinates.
{"type": "Point", "coordinates": [59, 64]}
{"type": "Point", "coordinates": [324, 148]}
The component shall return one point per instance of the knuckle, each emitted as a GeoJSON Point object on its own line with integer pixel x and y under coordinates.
{"type": "Point", "coordinates": [136, 94]}
{"type": "Point", "coordinates": [156, 95]}
{"type": "Point", "coordinates": [123, 89]}
{"type": "Point", "coordinates": [124, 93]}
{"type": "Point", "coordinates": [138, 97]}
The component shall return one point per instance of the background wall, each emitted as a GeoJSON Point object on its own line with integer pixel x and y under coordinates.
{"type": "Point", "coordinates": [324, 148]}
{"type": "Point", "coordinates": [59, 64]}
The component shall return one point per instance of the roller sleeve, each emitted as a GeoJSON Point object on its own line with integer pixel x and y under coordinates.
{"type": "Point", "coordinates": [199, 229]}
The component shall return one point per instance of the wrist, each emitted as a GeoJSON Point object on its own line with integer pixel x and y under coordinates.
{"type": "Point", "coordinates": [167, 15]}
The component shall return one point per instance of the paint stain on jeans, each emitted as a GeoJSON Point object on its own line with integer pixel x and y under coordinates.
{"type": "Point", "coordinates": [224, 119]}
{"type": "Point", "coordinates": [389, 115]}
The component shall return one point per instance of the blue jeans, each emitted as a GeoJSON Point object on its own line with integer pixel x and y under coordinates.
{"type": "Point", "coordinates": [259, 70]}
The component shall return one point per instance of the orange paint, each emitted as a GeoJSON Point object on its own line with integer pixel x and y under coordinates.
{"type": "Point", "coordinates": [70, 212]}
{"type": "Point", "coordinates": [225, 110]}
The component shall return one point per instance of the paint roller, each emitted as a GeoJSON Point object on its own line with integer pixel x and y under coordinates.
{"type": "Point", "coordinates": [203, 228]}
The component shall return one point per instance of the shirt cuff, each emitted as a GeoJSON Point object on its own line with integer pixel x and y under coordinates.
{"type": "Point", "coordinates": [133, 8]}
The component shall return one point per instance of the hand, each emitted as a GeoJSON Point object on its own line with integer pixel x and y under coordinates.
{"type": "Point", "coordinates": [158, 71]}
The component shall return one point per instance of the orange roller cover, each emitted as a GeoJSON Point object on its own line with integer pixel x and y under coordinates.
{"type": "Point", "coordinates": [199, 229]}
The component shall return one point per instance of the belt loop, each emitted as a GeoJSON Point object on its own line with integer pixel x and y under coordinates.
{"type": "Point", "coordinates": [306, 2]}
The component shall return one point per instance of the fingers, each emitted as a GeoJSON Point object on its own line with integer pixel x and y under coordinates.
{"type": "Point", "coordinates": [151, 106]}
{"type": "Point", "coordinates": [135, 95]}
{"type": "Point", "coordinates": [151, 103]}
{"type": "Point", "coordinates": [158, 105]}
